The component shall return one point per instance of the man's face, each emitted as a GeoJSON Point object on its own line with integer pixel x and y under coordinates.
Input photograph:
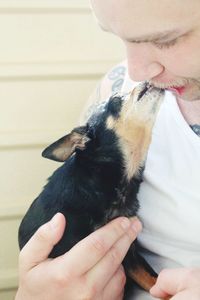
{"type": "Point", "coordinates": [162, 39]}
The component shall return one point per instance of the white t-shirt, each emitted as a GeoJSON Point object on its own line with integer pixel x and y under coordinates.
{"type": "Point", "coordinates": [169, 195]}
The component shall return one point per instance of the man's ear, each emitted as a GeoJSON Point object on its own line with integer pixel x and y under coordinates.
{"type": "Point", "coordinates": [62, 149]}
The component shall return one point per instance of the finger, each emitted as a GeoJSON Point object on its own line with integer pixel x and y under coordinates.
{"type": "Point", "coordinates": [115, 287]}
{"type": "Point", "coordinates": [120, 297]}
{"type": "Point", "coordinates": [104, 270]}
{"type": "Point", "coordinates": [193, 294]}
{"type": "Point", "coordinates": [42, 242]}
{"type": "Point", "coordinates": [172, 281]}
{"type": "Point", "coordinates": [85, 254]}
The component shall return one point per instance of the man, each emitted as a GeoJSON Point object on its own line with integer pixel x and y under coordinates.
{"type": "Point", "coordinates": [162, 39]}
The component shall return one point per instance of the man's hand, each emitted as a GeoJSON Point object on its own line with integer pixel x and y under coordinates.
{"type": "Point", "coordinates": [181, 284]}
{"type": "Point", "coordinates": [90, 270]}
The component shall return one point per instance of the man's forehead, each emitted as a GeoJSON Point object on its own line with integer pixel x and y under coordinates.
{"type": "Point", "coordinates": [143, 20]}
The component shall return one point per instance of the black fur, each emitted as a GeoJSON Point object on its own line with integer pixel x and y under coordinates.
{"type": "Point", "coordinates": [90, 188]}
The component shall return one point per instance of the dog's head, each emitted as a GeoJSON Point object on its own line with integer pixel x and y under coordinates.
{"type": "Point", "coordinates": [122, 125]}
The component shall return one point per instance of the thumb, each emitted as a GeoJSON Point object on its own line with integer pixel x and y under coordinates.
{"type": "Point", "coordinates": [42, 242]}
{"type": "Point", "coordinates": [169, 282]}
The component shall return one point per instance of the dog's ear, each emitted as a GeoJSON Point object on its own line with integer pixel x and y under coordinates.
{"type": "Point", "coordinates": [62, 149]}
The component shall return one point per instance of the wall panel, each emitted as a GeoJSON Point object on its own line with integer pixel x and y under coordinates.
{"type": "Point", "coordinates": [52, 55]}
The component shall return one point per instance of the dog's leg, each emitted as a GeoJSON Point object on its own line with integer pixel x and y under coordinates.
{"type": "Point", "coordinates": [139, 270]}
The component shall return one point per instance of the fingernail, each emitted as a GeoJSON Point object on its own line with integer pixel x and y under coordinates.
{"type": "Point", "coordinates": [54, 222]}
{"type": "Point", "coordinates": [136, 225]}
{"type": "Point", "coordinates": [125, 223]}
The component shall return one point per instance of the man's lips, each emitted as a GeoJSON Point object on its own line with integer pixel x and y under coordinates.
{"type": "Point", "coordinates": [179, 90]}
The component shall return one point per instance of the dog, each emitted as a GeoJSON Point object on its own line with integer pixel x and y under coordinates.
{"type": "Point", "coordinates": [102, 171]}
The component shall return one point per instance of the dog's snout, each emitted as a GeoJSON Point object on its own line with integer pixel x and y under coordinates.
{"type": "Point", "coordinates": [144, 90]}
{"type": "Point", "coordinates": [148, 88]}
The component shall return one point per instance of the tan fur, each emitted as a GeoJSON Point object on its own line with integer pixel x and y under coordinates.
{"type": "Point", "coordinates": [143, 278]}
{"type": "Point", "coordinates": [134, 141]}
{"type": "Point", "coordinates": [134, 129]}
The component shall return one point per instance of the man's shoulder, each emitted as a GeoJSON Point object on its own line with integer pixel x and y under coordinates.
{"type": "Point", "coordinates": [111, 83]}
{"type": "Point", "coordinates": [115, 77]}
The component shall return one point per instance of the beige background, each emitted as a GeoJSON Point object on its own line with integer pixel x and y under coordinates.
{"type": "Point", "coordinates": [52, 54]}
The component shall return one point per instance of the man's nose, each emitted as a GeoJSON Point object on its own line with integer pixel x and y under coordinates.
{"type": "Point", "coordinates": [143, 63]}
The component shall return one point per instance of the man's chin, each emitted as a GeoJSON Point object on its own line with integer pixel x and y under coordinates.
{"type": "Point", "coordinates": [189, 99]}
{"type": "Point", "coordinates": [189, 93]}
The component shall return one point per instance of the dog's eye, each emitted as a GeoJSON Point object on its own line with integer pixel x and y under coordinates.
{"type": "Point", "coordinates": [91, 131]}
{"type": "Point", "coordinates": [87, 127]}
{"type": "Point", "coordinates": [115, 105]}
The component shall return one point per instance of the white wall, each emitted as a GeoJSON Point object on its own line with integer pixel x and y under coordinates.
{"type": "Point", "coordinates": [52, 54]}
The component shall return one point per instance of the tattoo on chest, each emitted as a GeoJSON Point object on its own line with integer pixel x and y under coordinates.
{"type": "Point", "coordinates": [196, 128]}
{"type": "Point", "coordinates": [117, 76]}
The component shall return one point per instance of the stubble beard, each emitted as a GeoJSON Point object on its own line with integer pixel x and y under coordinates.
{"type": "Point", "coordinates": [192, 92]}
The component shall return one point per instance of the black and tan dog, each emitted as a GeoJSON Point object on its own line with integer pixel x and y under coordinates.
{"type": "Point", "coordinates": [101, 175]}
